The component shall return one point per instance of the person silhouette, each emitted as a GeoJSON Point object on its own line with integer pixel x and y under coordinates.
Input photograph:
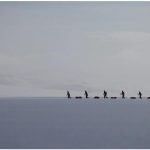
{"type": "Point", "coordinates": [86, 94]}
{"type": "Point", "coordinates": [68, 94]}
{"type": "Point", "coordinates": [140, 95]}
{"type": "Point", "coordinates": [123, 94]}
{"type": "Point", "coordinates": [105, 94]}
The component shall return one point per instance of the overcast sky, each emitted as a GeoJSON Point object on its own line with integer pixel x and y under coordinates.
{"type": "Point", "coordinates": [47, 48]}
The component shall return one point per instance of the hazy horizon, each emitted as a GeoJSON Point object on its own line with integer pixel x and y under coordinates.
{"type": "Point", "coordinates": [47, 48]}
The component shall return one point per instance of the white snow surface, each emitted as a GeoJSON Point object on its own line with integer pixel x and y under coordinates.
{"type": "Point", "coordinates": [76, 123]}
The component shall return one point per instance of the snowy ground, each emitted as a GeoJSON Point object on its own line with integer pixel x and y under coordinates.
{"type": "Point", "coordinates": [62, 123]}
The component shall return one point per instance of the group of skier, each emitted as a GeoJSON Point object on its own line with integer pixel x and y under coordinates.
{"type": "Point", "coordinates": [105, 94]}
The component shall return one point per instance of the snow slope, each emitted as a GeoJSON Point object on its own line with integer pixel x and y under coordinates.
{"type": "Point", "coordinates": [62, 123]}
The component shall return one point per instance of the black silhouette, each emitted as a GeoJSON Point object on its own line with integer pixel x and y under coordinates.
{"type": "Point", "coordinates": [113, 97]}
{"type": "Point", "coordinates": [105, 94]}
{"type": "Point", "coordinates": [123, 94]}
{"type": "Point", "coordinates": [78, 97]}
{"type": "Point", "coordinates": [96, 97]}
{"type": "Point", "coordinates": [68, 94]}
{"type": "Point", "coordinates": [132, 97]}
{"type": "Point", "coordinates": [140, 95]}
{"type": "Point", "coordinates": [86, 94]}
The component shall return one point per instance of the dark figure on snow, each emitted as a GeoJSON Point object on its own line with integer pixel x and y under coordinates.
{"type": "Point", "coordinates": [123, 94]}
{"type": "Point", "coordinates": [140, 95]}
{"type": "Point", "coordinates": [105, 94]}
{"type": "Point", "coordinates": [86, 94]}
{"type": "Point", "coordinates": [68, 94]}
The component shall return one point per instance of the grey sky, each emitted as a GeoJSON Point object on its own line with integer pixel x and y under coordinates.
{"type": "Point", "coordinates": [47, 48]}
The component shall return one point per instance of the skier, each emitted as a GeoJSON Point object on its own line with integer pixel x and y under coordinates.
{"type": "Point", "coordinates": [140, 95]}
{"type": "Point", "coordinates": [105, 94]}
{"type": "Point", "coordinates": [123, 94]}
{"type": "Point", "coordinates": [86, 94]}
{"type": "Point", "coordinates": [68, 94]}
